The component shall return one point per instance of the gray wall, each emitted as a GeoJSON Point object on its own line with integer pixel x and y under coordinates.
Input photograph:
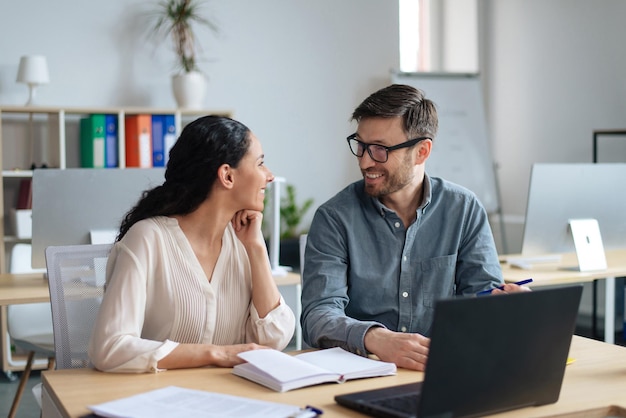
{"type": "Point", "coordinates": [555, 71]}
{"type": "Point", "coordinates": [292, 70]}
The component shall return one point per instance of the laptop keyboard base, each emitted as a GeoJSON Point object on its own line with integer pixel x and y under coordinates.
{"type": "Point", "coordinates": [407, 404]}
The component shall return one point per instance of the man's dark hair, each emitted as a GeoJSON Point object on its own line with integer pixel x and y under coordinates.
{"type": "Point", "coordinates": [419, 115]}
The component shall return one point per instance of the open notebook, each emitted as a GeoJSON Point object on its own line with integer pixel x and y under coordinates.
{"type": "Point", "coordinates": [487, 354]}
{"type": "Point", "coordinates": [283, 372]}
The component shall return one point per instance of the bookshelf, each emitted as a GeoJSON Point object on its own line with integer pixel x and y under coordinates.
{"type": "Point", "coordinates": [51, 135]}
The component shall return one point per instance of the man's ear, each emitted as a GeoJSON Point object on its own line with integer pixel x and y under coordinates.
{"type": "Point", "coordinates": [423, 150]}
{"type": "Point", "coordinates": [225, 175]}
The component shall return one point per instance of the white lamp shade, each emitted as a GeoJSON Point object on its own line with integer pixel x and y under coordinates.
{"type": "Point", "coordinates": [33, 69]}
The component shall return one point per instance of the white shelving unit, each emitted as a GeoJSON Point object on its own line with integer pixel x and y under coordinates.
{"type": "Point", "coordinates": [50, 136]}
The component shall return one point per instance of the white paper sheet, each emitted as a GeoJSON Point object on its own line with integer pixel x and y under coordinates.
{"type": "Point", "coordinates": [173, 401]}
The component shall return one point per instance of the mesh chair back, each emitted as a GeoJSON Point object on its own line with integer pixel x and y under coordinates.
{"type": "Point", "coordinates": [76, 275]}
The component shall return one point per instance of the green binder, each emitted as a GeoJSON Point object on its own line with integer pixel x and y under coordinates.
{"type": "Point", "coordinates": [92, 142]}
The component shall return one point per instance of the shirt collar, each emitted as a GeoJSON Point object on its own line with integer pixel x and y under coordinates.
{"type": "Point", "coordinates": [427, 197]}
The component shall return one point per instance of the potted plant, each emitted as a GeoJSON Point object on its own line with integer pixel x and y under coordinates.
{"type": "Point", "coordinates": [291, 214]}
{"type": "Point", "coordinates": [175, 19]}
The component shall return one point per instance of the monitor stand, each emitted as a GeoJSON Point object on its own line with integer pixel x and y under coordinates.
{"type": "Point", "coordinates": [588, 243]}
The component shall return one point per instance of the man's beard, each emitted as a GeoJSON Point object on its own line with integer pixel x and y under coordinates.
{"type": "Point", "coordinates": [402, 177]}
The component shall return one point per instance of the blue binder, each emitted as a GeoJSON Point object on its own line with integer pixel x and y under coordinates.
{"type": "Point", "coordinates": [169, 136]}
{"type": "Point", "coordinates": [111, 145]}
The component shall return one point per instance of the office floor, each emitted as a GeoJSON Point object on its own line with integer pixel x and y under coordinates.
{"type": "Point", "coordinates": [28, 406]}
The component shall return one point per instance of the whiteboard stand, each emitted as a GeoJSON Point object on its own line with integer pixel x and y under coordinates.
{"type": "Point", "coordinates": [505, 245]}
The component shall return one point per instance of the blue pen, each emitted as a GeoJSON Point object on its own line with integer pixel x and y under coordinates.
{"type": "Point", "coordinates": [308, 412]}
{"type": "Point", "coordinates": [521, 282]}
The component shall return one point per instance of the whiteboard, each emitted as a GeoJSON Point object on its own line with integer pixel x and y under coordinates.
{"type": "Point", "coordinates": [461, 151]}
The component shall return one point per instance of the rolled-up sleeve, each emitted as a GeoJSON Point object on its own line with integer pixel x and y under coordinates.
{"type": "Point", "coordinates": [275, 329]}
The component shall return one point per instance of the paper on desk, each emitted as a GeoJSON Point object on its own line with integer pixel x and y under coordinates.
{"type": "Point", "coordinates": [173, 401]}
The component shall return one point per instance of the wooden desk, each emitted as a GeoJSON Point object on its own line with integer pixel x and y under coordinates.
{"type": "Point", "coordinates": [594, 383]}
{"type": "Point", "coordinates": [32, 288]}
{"type": "Point", "coordinates": [548, 274]}
{"type": "Point", "coordinates": [23, 288]}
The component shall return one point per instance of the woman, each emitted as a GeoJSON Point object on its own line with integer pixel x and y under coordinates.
{"type": "Point", "coordinates": [189, 282]}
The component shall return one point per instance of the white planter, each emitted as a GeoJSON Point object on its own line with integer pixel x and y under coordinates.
{"type": "Point", "coordinates": [189, 90]}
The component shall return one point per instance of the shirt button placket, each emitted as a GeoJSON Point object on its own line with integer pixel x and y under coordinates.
{"type": "Point", "coordinates": [405, 296]}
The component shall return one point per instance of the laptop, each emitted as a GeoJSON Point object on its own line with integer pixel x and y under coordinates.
{"type": "Point", "coordinates": [488, 354]}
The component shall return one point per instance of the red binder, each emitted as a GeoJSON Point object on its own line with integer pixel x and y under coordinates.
{"type": "Point", "coordinates": [138, 140]}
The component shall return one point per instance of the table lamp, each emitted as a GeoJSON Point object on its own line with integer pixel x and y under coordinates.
{"type": "Point", "coordinates": [33, 70]}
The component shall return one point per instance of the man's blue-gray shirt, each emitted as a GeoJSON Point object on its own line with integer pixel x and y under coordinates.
{"type": "Point", "coordinates": [363, 268]}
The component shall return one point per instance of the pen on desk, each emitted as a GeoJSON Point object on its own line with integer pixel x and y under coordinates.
{"type": "Point", "coordinates": [308, 412]}
{"type": "Point", "coordinates": [520, 283]}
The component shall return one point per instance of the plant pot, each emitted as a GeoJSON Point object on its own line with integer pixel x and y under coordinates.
{"type": "Point", "coordinates": [289, 253]}
{"type": "Point", "coordinates": [189, 90]}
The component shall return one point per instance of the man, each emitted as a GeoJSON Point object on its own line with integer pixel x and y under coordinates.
{"type": "Point", "coordinates": [384, 249]}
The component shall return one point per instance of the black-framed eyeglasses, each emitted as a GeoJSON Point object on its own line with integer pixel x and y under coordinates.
{"type": "Point", "coordinates": [378, 153]}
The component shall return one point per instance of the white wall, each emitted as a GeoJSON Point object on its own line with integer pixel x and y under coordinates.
{"type": "Point", "coordinates": [554, 72]}
{"type": "Point", "coordinates": [292, 70]}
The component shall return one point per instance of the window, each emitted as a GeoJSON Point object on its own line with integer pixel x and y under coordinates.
{"type": "Point", "coordinates": [410, 35]}
{"type": "Point", "coordinates": [438, 35]}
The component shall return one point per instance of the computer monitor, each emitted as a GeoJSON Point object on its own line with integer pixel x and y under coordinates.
{"type": "Point", "coordinates": [560, 192]}
{"type": "Point", "coordinates": [70, 204]}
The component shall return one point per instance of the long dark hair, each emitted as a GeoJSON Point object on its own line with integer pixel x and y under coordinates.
{"type": "Point", "coordinates": [203, 146]}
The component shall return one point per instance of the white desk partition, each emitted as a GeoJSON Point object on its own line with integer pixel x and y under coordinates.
{"type": "Point", "coordinates": [69, 204]}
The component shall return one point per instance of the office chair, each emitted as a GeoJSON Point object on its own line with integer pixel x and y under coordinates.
{"type": "Point", "coordinates": [29, 325]}
{"type": "Point", "coordinates": [76, 275]}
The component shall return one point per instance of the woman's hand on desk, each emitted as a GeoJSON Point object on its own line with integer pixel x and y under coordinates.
{"type": "Point", "coordinates": [199, 355]}
{"type": "Point", "coordinates": [226, 355]}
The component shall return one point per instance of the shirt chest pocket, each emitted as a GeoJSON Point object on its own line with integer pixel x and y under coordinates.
{"type": "Point", "coordinates": [437, 278]}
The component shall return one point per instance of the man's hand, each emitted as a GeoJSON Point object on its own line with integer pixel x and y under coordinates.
{"type": "Point", "coordinates": [510, 288]}
{"type": "Point", "coordinates": [409, 351]}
